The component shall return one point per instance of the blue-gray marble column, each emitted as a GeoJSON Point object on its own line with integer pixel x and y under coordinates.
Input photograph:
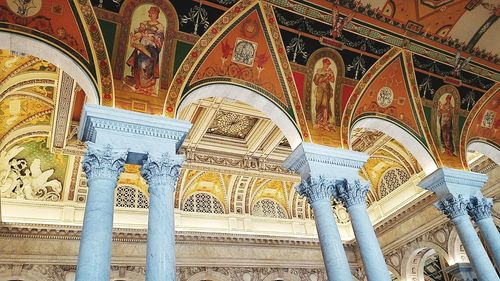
{"type": "Point", "coordinates": [103, 165]}
{"type": "Point", "coordinates": [318, 192]}
{"type": "Point", "coordinates": [456, 210]}
{"type": "Point", "coordinates": [161, 175]}
{"type": "Point", "coordinates": [480, 211]}
{"type": "Point", "coordinates": [352, 194]}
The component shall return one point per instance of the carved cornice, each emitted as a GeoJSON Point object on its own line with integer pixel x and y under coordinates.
{"type": "Point", "coordinates": [316, 159]}
{"type": "Point", "coordinates": [445, 181]}
{"type": "Point", "coordinates": [126, 124]}
{"type": "Point", "coordinates": [43, 231]}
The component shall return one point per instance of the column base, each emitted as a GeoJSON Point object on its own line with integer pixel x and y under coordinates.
{"type": "Point", "coordinates": [461, 272]}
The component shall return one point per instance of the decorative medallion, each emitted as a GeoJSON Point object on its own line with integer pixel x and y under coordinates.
{"type": "Point", "coordinates": [385, 97]}
{"type": "Point", "coordinates": [244, 52]}
{"type": "Point", "coordinates": [231, 124]}
{"type": "Point", "coordinates": [488, 119]}
{"type": "Point", "coordinates": [25, 8]}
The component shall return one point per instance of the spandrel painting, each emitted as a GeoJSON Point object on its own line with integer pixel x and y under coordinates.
{"type": "Point", "coordinates": [144, 50]}
{"type": "Point", "coordinates": [444, 124]}
{"type": "Point", "coordinates": [322, 98]}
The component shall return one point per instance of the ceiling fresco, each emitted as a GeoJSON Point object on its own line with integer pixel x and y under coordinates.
{"type": "Point", "coordinates": [324, 64]}
{"type": "Point", "coordinates": [71, 27]}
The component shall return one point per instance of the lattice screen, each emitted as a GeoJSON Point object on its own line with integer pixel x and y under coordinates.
{"type": "Point", "coordinates": [203, 203]}
{"type": "Point", "coordinates": [392, 179]}
{"type": "Point", "coordinates": [268, 208]}
{"type": "Point", "coordinates": [130, 197]}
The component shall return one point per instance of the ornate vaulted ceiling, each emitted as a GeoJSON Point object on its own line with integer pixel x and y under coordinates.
{"type": "Point", "coordinates": [428, 67]}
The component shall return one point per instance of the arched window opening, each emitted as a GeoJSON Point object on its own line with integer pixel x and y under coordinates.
{"type": "Point", "coordinates": [391, 180]}
{"type": "Point", "coordinates": [131, 197]}
{"type": "Point", "coordinates": [268, 208]}
{"type": "Point", "coordinates": [203, 203]}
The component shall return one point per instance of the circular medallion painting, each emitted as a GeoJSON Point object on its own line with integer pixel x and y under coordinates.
{"type": "Point", "coordinates": [385, 97]}
{"type": "Point", "coordinates": [25, 8]}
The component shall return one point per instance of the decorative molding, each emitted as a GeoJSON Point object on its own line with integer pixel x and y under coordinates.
{"type": "Point", "coordinates": [103, 162]}
{"type": "Point", "coordinates": [453, 207]}
{"type": "Point", "coordinates": [67, 232]}
{"type": "Point", "coordinates": [351, 192]}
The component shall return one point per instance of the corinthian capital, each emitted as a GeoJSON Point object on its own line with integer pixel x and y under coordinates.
{"type": "Point", "coordinates": [480, 208]}
{"type": "Point", "coordinates": [351, 192]}
{"type": "Point", "coordinates": [103, 162]}
{"type": "Point", "coordinates": [315, 188]}
{"type": "Point", "coordinates": [162, 172]}
{"type": "Point", "coordinates": [453, 206]}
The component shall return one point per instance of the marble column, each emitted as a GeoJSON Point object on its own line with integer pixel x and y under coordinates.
{"type": "Point", "coordinates": [103, 165]}
{"type": "Point", "coordinates": [461, 272]}
{"type": "Point", "coordinates": [318, 192]}
{"type": "Point", "coordinates": [455, 207]}
{"type": "Point", "coordinates": [161, 175]}
{"type": "Point", "coordinates": [352, 194]}
{"type": "Point", "coordinates": [480, 211]}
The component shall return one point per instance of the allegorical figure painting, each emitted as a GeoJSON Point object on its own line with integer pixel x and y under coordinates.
{"type": "Point", "coordinates": [322, 102]}
{"type": "Point", "coordinates": [445, 116]}
{"type": "Point", "coordinates": [145, 49]}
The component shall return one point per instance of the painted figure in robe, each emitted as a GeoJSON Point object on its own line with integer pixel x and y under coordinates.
{"type": "Point", "coordinates": [445, 123]}
{"type": "Point", "coordinates": [147, 41]}
{"type": "Point", "coordinates": [323, 79]}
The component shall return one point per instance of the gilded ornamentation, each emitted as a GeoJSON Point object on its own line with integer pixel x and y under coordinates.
{"type": "Point", "coordinates": [351, 192]}
{"type": "Point", "coordinates": [479, 208]}
{"type": "Point", "coordinates": [103, 162]}
{"type": "Point", "coordinates": [231, 124]}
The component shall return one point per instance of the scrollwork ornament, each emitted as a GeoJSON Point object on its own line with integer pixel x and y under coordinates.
{"type": "Point", "coordinates": [103, 162]}
{"type": "Point", "coordinates": [316, 188]}
{"type": "Point", "coordinates": [479, 208]}
{"type": "Point", "coordinates": [452, 206]}
{"type": "Point", "coordinates": [162, 172]}
{"type": "Point", "coordinates": [351, 192]}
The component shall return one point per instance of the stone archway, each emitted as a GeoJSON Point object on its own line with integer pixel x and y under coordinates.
{"type": "Point", "coordinates": [234, 92]}
{"type": "Point", "coordinates": [485, 148]}
{"type": "Point", "coordinates": [396, 132]}
{"type": "Point", "coordinates": [42, 50]}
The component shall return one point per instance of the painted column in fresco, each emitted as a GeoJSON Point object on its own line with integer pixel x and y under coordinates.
{"type": "Point", "coordinates": [455, 207]}
{"type": "Point", "coordinates": [480, 210]}
{"type": "Point", "coordinates": [103, 165]}
{"type": "Point", "coordinates": [318, 192]}
{"type": "Point", "coordinates": [352, 194]}
{"type": "Point", "coordinates": [161, 175]}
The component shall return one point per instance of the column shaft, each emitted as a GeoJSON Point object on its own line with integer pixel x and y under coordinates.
{"type": "Point", "coordinates": [337, 266]}
{"type": "Point", "coordinates": [474, 249]}
{"type": "Point", "coordinates": [371, 254]}
{"type": "Point", "coordinates": [161, 175]}
{"type": "Point", "coordinates": [491, 237]}
{"type": "Point", "coordinates": [94, 257]}
{"type": "Point", "coordinates": [160, 260]}
{"type": "Point", "coordinates": [102, 165]}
